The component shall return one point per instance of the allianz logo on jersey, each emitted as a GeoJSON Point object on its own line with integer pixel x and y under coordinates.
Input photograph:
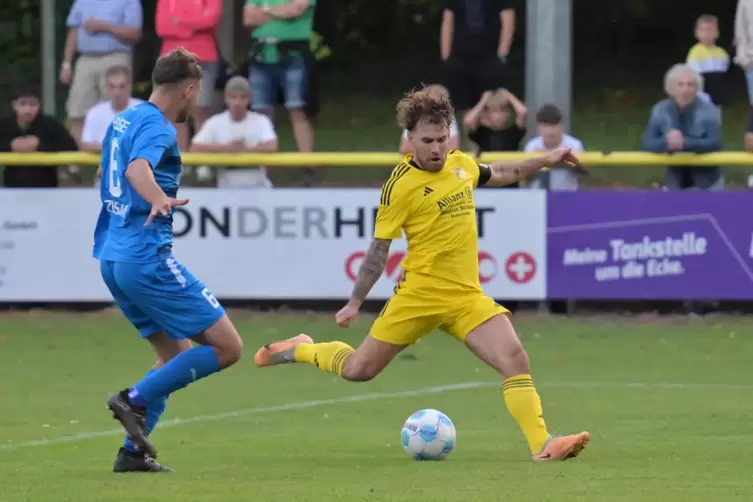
{"type": "Point", "coordinates": [116, 208]}
{"type": "Point", "coordinates": [120, 124]}
{"type": "Point", "coordinates": [450, 199]}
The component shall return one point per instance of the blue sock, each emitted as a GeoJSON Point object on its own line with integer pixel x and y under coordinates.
{"type": "Point", "coordinates": [153, 413]}
{"type": "Point", "coordinates": [181, 370]}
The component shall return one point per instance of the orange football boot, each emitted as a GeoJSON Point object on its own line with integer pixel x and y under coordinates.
{"type": "Point", "coordinates": [281, 352]}
{"type": "Point", "coordinates": [563, 447]}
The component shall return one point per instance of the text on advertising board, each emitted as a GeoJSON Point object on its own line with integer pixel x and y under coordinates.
{"type": "Point", "coordinates": [285, 222]}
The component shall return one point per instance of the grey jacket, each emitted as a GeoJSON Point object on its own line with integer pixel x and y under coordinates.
{"type": "Point", "coordinates": [700, 125]}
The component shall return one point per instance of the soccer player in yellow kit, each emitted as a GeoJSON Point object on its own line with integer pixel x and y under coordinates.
{"type": "Point", "coordinates": [429, 196]}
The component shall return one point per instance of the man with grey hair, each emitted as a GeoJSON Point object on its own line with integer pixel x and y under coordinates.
{"type": "Point", "coordinates": [238, 130]}
{"type": "Point", "coordinates": [685, 122]}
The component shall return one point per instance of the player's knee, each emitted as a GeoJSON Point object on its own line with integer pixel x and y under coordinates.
{"type": "Point", "coordinates": [355, 370]}
{"type": "Point", "coordinates": [232, 351]}
{"type": "Point", "coordinates": [229, 349]}
{"type": "Point", "coordinates": [515, 361]}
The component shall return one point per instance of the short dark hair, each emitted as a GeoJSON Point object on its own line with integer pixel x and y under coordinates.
{"type": "Point", "coordinates": [118, 69]}
{"type": "Point", "coordinates": [707, 18]}
{"type": "Point", "coordinates": [26, 91]}
{"type": "Point", "coordinates": [175, 67]}
{"type": "Point", "coordinates": [425, 105]}
{"type": "Point", "coordinates": [549, 115]}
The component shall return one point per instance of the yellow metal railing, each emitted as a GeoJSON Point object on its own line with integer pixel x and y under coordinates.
{"type": "Point", "coordinates": [356, 159]}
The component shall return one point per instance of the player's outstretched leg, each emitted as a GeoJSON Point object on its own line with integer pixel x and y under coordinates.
{"type": "Point", "coordinates": [496, 343]}
{"type": "Point", "coordinates": [360, 365]}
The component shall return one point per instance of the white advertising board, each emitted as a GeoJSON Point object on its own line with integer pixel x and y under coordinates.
{"type": "Point", "coordinates": [258, 244]}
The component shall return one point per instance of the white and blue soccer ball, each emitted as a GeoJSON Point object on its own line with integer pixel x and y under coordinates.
{"type": "Point", "coordinates": [428, 435]}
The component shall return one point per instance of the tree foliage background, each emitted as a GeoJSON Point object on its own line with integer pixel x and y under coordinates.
{"type": "Point", "coordinates": [381, 46]}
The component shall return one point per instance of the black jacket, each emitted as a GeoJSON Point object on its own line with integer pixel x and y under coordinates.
{"type": "Point", "coordinates": [53, 137]}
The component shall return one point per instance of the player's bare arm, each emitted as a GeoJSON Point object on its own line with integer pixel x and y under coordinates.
{"type": "Point", "coordinates": [509, 172]}
{"type": "Point", "coordinates": [371, 269]}
{"type": "Point", "coordinates": [139, 174]}
{"type": "Point", "coordinates": [368, 274]}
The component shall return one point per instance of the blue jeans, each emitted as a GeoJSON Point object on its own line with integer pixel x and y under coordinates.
{"type": "Point", "coordinates": [267, 80]}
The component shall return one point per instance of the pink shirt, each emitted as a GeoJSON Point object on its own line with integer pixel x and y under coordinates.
{"type": "Point", "coordinates": [191, 24]}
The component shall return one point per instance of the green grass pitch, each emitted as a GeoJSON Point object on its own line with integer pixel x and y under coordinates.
{"type": "Point", "coordinates": [668, 404]}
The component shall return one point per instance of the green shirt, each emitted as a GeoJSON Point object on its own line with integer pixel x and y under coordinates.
{"type": "Point", "coordinates": [299, 28]}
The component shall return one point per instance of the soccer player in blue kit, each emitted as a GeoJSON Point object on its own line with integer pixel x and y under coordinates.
{"type": "Point", "coordinates": [133, 240]}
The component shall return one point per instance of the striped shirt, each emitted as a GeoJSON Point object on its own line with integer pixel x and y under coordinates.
{"type": "Point", "coordinates": [712, 63]}
{"type": "Point", "coordinates": [120, 12]}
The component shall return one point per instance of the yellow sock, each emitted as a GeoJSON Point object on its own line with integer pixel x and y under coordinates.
{"type": "Point", "coordinates": [524, 405]}
{"type": "Point", "coordinates": [329, 357]}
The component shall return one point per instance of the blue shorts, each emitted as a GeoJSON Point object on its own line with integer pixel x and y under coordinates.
{"type": "Point", "coordinates": [161, 296]}
{"type": "Point", "coordinates": [267, 80]}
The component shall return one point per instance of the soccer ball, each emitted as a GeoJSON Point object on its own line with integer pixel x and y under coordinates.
{"type": "Point", "coordinates": [428, 435]}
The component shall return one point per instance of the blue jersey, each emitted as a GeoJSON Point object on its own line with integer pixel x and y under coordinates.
{"type": "Point", "coordinates": [140, 132]}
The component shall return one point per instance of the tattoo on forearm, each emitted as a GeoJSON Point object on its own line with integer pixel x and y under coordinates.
{"type": "Point", "coordinates": [371, 268]}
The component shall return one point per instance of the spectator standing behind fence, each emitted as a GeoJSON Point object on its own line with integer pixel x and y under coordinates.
{"type": "Point", "coordinates": [238, 130]}
{"type": "Point", "coordinates": [102, 33]}
{"type": "Point", "coordinates": [192, 24]}
{"type": "Point", "coordinates": [280, 59]}
{"type": "Point", "coordinates": [709, 60]}
{"type": "Point", "coordinates": [27, 130]}
{"type": "Point", "coordinates": [475, 41]}
{"type": "Point", "coordinates": [552, 136]}
{"type": "Point", "coordinates": [684, 122]}
{"type": "Point", "coordinates": [744, 41]}
{"type": "Point", "coordinates": [453, 141]}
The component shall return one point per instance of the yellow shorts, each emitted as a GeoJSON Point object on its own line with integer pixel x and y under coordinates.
{"type": "Point", "coordinates": [406, 317]}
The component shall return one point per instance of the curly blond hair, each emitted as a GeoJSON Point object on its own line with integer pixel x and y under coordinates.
{"type": "Point", "coordinates": [427, 104]}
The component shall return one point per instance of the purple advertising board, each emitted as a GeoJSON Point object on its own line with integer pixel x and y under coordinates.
{"type": "Point", "coordinates": [659, 245]}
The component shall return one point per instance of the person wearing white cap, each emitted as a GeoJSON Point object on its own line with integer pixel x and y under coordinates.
{"type": "Point", "coordinates": [238, 130]}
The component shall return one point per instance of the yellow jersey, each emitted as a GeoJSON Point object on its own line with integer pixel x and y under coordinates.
{"type": "Point", "coordinates": [438, 214]}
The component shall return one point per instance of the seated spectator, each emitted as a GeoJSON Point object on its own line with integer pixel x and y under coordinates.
{"type": "Point", "coordinates": [238, 130]}
{"type": "Point", "coordinates": [551, 136]}
{"type": "Point", "coordinates": [192, 25]}
{"type": "Point", "coordinates": [101, 115]}
{"type": "Point", "coordinates": [454, 140]}
{"type": "Point", "coordinates": [684, 122]}
{"type": "Point", "coordinates": [497, 122]}
{"type": "Point", "coordinates": [28, 130]}
{"type": "Point", "coordinates": [709, 60]}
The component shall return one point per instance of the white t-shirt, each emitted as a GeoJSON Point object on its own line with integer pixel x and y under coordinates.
{"type": "Point", "coordinates": [98, 119]}
{"type": "Point", "coordinates": [454, 131]}
{"type": "Point", "coordinates": [559, 178]}
{"type": "Point", "coordinates": [254, 130]}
